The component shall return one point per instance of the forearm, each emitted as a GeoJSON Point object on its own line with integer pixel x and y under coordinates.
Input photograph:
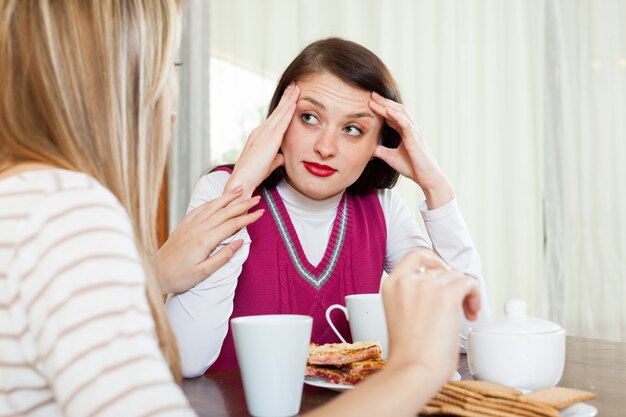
{"type": "Point", "coordinates": [395, 391]}
{"type": "Point", "coordinates": [200, 328]}
{"type": "Point", "coordinates": [451, 238]}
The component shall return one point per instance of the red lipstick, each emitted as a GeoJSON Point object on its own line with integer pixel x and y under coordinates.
{"type": "Point", "coordinates": [319, 169]}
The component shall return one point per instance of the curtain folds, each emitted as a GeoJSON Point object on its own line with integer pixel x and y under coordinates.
{"type": "Point", "coordinates": [585, 155]}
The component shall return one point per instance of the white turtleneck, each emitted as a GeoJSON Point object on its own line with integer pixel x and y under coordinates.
{"type": "Point", "coordinates": [200, 316]}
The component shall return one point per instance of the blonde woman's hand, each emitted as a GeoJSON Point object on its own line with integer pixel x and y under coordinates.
{"type": "Point", "coordinates": [423, 307]}
{"type": "Point", "coordinates": [185, 258]}
{"type": "Point", "coordinates": [413, 158]}
{"type": "Point", "coordinates": [260, 154]}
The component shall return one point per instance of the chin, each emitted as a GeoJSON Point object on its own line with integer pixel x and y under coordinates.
{"type": "Point", "coordinates": [322, 194]}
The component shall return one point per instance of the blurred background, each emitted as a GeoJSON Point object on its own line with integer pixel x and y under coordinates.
{"type": "Point", "coordinates": [523, 103]}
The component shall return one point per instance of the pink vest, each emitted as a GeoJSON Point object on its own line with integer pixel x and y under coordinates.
{"type": "Point", "coordinates": [277, 278]}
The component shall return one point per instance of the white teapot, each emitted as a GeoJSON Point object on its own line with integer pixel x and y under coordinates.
{"type": "Point", "coordinates": [517, 350]}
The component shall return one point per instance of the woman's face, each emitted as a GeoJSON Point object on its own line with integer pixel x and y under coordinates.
{"type": "Point", "coordinates": [331, 137]}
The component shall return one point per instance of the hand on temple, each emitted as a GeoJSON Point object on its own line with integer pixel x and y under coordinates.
{"type": "Point", "coordinates": [260, 155]}
{"type": "Point", "coordinates": [413, 158]}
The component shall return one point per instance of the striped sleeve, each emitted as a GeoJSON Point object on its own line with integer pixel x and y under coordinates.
{"type": "Point", "coordinates": [89, 328]}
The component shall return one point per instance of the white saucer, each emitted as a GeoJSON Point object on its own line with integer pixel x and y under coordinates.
{"type": "Point", "coordinates": [579, 410]}
{"type": "Point", "coordinates": [319, 382]}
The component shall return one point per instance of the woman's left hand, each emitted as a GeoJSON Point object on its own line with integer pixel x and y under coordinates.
{"type": "Point", "coordinates": [412, 158]}
{"type": "Point", "coordinates": [185, 258]}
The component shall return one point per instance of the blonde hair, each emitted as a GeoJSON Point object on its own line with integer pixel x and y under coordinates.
{"type": "Point", "coordinates": [82, 83]}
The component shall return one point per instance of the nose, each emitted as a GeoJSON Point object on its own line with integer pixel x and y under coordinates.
{"type": "Point", "coordinates": [326, 145]}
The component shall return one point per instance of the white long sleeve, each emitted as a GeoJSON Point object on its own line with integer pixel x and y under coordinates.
{"type": "Point", "coordinates": [452, 241]}
{"type": "Point", "coordinates": [200, 316]}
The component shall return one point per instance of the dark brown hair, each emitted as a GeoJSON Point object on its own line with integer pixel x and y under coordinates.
{"type": "Point", "coordinates": [359, 67]}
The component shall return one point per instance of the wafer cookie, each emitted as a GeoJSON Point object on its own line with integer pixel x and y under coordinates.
{"type": "Point", "coordinates": [558, 397]}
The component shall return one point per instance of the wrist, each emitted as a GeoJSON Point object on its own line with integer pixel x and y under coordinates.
{"type": "Point", "coordinates": [159, 273]}
{"type": "Point", "coordinates": [426, 381]}
{"type": "Point", "coordinates": [438, 193]}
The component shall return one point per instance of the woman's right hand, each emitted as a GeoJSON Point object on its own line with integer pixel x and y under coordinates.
{"type": "Point", "coordinates": [260, 154]}
{"type": "Point", "coordinates": [423, 303]}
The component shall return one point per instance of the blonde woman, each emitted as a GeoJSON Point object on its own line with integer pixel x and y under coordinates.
{"type": "Point", "coordinates": [86, 106]}
{"type": "Point", "coordinates": [87, 100]}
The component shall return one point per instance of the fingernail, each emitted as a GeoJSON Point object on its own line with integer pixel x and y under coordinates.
{"type": "Point", "coordinates": [376, 95]}
{"type": "Point", "coordinates": [237, 190]}
{"type": "Point", "coordinates": [289, 87]}
{"type": "Point", "coordinates": [256, 198]}
{"type": "Point", "coordinates": [261, 211]}
{"type": "Point", "coordinates": [236, 244]}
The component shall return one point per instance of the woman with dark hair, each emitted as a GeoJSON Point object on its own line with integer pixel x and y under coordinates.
{"type": "Point", "coordinates": [322, 165]}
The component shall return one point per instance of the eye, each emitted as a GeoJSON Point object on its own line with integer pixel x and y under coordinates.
{"type": "Point", "coordinates": [309, 119]}
{"type": "Point", "coordinates": [353, 131]}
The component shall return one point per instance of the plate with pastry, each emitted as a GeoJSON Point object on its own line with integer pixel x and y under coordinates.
{"type": "Point", "coordinates": [341, 366]}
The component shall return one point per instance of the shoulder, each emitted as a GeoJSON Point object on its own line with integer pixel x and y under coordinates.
{"type": "Point", "coordinates": [59, 197]}
{"type": "Point", "coordinates": [390, 200]}
{"type": "Point", "coordinates": [74, 218]}
{"type": "Point", "coordinates": [74, 197]}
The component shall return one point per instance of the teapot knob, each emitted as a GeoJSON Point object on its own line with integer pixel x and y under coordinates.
{"type": "Point", "coordinates": [515, 308]}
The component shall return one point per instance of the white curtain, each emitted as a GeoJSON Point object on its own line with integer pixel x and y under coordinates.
{"type": "Point", "coordinates": [533, 148]}
{"type": "Point", "coordinates": [585, 164]}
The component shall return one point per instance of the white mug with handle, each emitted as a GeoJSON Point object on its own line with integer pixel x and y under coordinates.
{"type": "Point", "coordinates": [366, 316]}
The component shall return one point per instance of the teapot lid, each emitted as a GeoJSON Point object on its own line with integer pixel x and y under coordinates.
{"type": "Point", "coordinates": [517, 322]}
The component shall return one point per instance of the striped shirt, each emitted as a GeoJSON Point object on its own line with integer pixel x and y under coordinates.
{"type": "Point", "coordinates": [76, 334]}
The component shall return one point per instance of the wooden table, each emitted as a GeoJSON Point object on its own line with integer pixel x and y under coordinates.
{"type": "Point", "coordinates": [592, 365]}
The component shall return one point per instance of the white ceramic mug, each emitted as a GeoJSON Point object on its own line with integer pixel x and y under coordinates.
{"type": "Point", "coordinates": [366, 317]}
{"type": "Point", "coordinates": [272, 351]}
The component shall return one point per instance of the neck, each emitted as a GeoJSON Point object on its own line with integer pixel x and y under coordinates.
{"type": "Point", "coordinates": [296, 200]}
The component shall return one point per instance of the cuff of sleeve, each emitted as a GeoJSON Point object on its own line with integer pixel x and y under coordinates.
{"type": "Point", "coordinates": [444, 211]}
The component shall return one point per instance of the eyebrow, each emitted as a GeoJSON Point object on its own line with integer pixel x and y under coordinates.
{"type": "Point", "coordinates": [349, 116]}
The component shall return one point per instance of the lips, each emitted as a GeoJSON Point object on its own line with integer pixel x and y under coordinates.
{"type": "Point", "coordinates": [319, 170]}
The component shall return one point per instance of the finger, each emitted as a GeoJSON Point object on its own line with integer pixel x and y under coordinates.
{"type": "Point", "coordinates": [220, 202]}
{"type": "Point", "coordinates": [386, 113]}
{"type": "Point", "coordinates": [282, 116]}
{"type": "Point", "coordinates": [468, 295]}
{"type": "Point", "coordinates": [400, 122]}
{"type": "Point", "coordinates": [234, 225]}
{"type": "Point", "coordinates": [227, 197]}
{"type": "Point", "coordinates": [386, 102]}
{"type": "Point", "coordinates": [419, 259]}
{"type": "Point", "coordinates": [214, 219]}
{"type": "Point", "coordinates": [471, 304]}
{"type": "Point", "coordinates": [378, 108]}
{"type": "Point", "coordinates": [278, 161]}
{"type": "Point", "coordinates": [384, 153]}
{"type": "Point", "coordinates": [285, 108]}
{"type": "Point", "coordinates": [284, 97]}
{"type": "Point", "coordinates": [219, 259]}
